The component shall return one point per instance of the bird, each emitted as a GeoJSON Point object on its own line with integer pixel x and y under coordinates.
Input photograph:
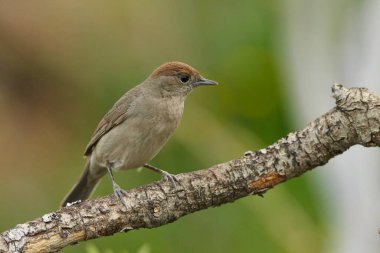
{"type": "Point", "coordinates": [136, 128]}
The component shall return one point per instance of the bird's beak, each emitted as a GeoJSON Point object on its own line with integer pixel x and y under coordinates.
{"type": "Point", "coordinates": [204, 81]}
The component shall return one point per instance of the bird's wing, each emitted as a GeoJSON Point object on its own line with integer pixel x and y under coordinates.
{"type": "Point", "coordinates": [114, 117]}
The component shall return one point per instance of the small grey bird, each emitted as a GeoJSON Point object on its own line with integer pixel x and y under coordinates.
{"type": "Point", "coordinates": [137, 127]}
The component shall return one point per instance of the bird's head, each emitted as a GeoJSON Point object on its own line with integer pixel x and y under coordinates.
{"type": "Point", "coordinates": [177, 78]}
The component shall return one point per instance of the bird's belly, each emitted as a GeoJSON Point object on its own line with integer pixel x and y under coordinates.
{"type": "Point", "coordinates": [134, 142]}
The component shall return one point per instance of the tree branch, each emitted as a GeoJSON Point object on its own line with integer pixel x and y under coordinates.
{"type": "Point", "coordinates": [354, 120]}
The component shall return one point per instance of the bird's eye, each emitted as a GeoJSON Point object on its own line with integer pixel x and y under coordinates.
{"type": "Point", "coordinates": [184, 78]}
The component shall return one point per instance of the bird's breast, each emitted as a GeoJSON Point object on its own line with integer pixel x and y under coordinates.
{"type": "Point", "coordinates": [141, 136]}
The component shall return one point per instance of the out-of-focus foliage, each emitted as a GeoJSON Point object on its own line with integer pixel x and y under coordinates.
{"type": "Point", "coordinates": [64, 63]}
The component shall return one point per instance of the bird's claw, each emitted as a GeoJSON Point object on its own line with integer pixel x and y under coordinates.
{"type": "Point", "coordinates": [119, 193]}
{"type": "Point", "coordinates": [166, 176]}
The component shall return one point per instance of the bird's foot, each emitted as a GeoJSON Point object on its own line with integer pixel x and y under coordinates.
{"type": "Point", "coordinates": [166, 176]}
{"type": "Point", "coordinates": [120, 193]}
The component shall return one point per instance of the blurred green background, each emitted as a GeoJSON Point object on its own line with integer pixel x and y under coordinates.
{"type": "Point", "coordinates": [64, 63]}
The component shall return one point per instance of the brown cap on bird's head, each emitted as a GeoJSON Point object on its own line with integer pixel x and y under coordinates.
{"type": "Point", "coordinates": [176, 68]}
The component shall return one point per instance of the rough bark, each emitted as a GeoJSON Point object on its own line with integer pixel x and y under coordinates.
{"type": "Point", "coordinates": [354, 120]}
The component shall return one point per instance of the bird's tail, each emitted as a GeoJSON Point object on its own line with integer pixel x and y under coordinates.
{"type": "Point", "coordinates": [85, 185]}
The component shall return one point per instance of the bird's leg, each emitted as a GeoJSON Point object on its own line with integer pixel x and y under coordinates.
{"type": "Point", "coordinates": [165, 175]}
{"type": "Point", "coordinates": [116, 188]}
